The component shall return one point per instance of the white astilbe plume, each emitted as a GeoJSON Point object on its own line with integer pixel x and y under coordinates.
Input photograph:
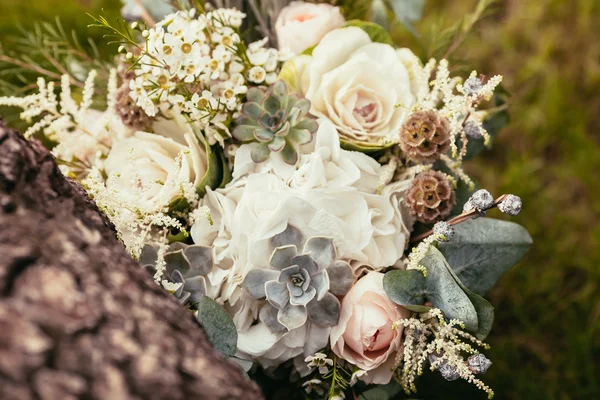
{"type": "Point", "coordinates": [83, 138]}
{"type": "Point", "coordinates": [458, 103]}
{"type": "Point", "coordinates": [55, 116]}
{"type": "Point", "coordinates": [430, 334]}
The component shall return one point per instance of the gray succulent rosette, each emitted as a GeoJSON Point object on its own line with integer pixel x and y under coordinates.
{"type": "Point", "coordinates": [185, 264]}
{"type": "Point", "coordinates": [300, 285]}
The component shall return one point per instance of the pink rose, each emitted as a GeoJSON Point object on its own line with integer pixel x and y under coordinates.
{"type": "Point", "coordinates": [301, 25]}
{"type": "Point", "coordinates": [364, 335]}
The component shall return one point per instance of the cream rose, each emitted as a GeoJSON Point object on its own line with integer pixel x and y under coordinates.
{"type": "Point", "coordinates": [364, 335]}
{"type": "Point", "coordinates": [358, 84]}
{"type": "Point", "coordinates": [301, 25]}
{"type": "Point", "coordinates": [144, 170]}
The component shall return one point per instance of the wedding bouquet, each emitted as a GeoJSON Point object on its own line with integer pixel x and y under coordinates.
{"type": "Point", "coordinates": [302, 194]}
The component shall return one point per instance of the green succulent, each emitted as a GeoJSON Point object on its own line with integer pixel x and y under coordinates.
{"type": "Point", "coordinates": [276, 122]}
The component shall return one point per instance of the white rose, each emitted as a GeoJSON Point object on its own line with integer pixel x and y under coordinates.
{"type": "Point", "coordinates": [358, 84]}
{"type": "Point", "coordinates": [301, 25]}
{"type": "Point", "coordinates": [144, 170]}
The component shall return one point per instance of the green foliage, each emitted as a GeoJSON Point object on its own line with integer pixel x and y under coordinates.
{"type": "Point", "coordinates": [483, 249]}
{"type": "Point", "coordinates": [218, 326]}
{"type": "Point", "coordinates": [375, 31]}
{"type": "Point", "coordinates": [443, 289]}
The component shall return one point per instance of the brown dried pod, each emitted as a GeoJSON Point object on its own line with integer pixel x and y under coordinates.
{"type": "Point", "coordinates": [430, 197]}
{"type": "Point", "coordinates": [131, 115]}
{"type": "Point", "coordinates": [425, 136]}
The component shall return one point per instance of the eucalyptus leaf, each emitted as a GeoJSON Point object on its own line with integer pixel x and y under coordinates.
{"type": "Point", "coordinates": [376, 32]}
{"type": "Point", "coordinates": [485, 311]}
{"type": "Point", "coordinates": [218, 326]}
{"type": "Point", "coordinates": [407, 288]}
{"type": "Point", "coordinates": [445, 293]}
{"type": "Point", "coordinates": [483, 249]}
{"type": "Point", "coordinates": [410, 289]}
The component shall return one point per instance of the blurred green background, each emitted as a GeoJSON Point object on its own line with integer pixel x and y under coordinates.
{"type": "Point", "coordinates": [546, 337]}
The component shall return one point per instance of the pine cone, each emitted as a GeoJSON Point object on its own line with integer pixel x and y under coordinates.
{"type": "Point", "coordinates": [425, 136]}
{"type": "Point", "coordinates": [131, 115]}
{"type": "Point", "coordinates": [431, 197]}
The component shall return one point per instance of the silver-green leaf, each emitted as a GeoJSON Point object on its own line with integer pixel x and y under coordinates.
{"type": "Point", "coordinates": [483, 249]}
{"type": "Point", "coordinates": [409, 288]}
{"type": "Point", "coordinates": [218, 326]}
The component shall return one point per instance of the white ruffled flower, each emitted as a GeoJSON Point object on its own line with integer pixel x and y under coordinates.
{"type": "Point", "coordinates": [330, 166]}
{"type": "Point", "coordinates": [252, 210]}
{"type": "Point", "coordinates": [358, 85]}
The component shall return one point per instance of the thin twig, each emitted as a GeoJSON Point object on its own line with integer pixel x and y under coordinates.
{"type": "Point", "coordinates": [458, 219]}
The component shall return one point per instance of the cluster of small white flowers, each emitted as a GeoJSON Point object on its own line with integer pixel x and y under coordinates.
{"type": "Point", "coordinates": [459, 101]}
{"type": "Point", "coordinates": [200, 65]}
{"type": "Point", "coordinates": [447, 342]}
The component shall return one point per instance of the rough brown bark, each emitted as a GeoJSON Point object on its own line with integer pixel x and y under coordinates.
{"type": "Point", "coordinates": [78, 317]}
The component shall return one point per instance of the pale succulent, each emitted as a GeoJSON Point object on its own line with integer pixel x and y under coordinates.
{"type": "Point", "coordinates": [276, 122]}
{"type": "Point", "coordinates": [185, 264]}
{"type": "Point", "coordinates": [300, 286]}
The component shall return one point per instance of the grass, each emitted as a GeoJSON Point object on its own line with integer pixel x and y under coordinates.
{"type": "Point", "coordinates": [546, 338]}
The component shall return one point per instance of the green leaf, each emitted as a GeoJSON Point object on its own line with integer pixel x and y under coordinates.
{"type": "Point", "coordinates": [214, 172]}
{"type": "Point", "coordinates": [483, 249]}
{"type": "Point", "coordinates": [407, 289]}
{"type": "Point", "coordinates": [218, 326]}
{"type": "Point", "coordinates": [367, 148]}
{"type": "Point", "coordinates": [485, 311]}
{"type": "Point", "coordinates": [225, 168]}
{"type": "Point", "coordinates": [376, 32]}
{"type": "Point", "coordinates": [375, 393]}
{"type": "Point", "coordinates": [445, 293]}
{"type": "Point", "coordinates": [308, 51]}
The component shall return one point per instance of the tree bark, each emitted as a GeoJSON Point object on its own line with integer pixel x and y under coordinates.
{"type": "Point", "coordinates": [79, 318]}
